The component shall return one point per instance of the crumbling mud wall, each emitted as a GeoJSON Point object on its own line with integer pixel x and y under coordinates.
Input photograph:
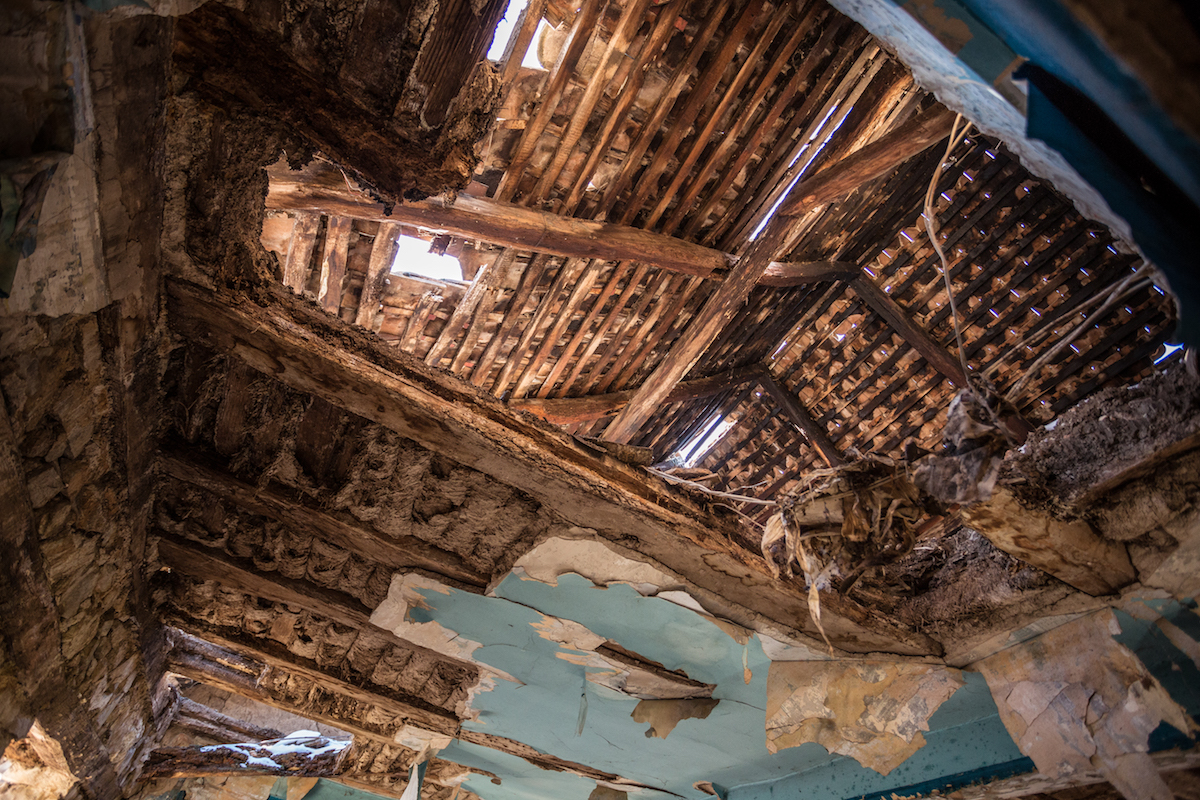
{"type": "Point", "coordinates": [58, 405]}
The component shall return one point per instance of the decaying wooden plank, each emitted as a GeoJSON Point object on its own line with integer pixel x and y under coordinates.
{"type": "Point", "coordinates": [394, 552]}
{"type": "Point", "coordinates": [804, 421]}
{"type": "Point", "coordinates": [583, 28]}
{"type": "Point", "coordinates": [1070, 551]}
{"type": "Point", "coordinates": [321, 189]}
{"type": "Point", "coordinates": [208, 564]}
{"type": "Point", "coordinates": [383, 253]}
{"type": "Point", "coordinates": [201, 760]}
{"type": "Point", "coordinates": [29, 624]}
{"type": "Point", "coordinates": [871, 161]}
{"type": "Point", "coordinates": [333, 263]}
{"type": "Point", "coordinates": [783, 274]}
{"type": "Point", "coordinates": [212, 724]}
{"type": "Point", "coordinates": [300, 248]}
{"type": "Point", "coordinates": [361, 375]}
{"type": "Point", "coordinates": [883, 304]}
{"type": "Point", "coordinates": [481, 293]}
{"type": "Point", "coordinates": [570, 410]}
{"type": "Point", "coordinates": [271, 654]}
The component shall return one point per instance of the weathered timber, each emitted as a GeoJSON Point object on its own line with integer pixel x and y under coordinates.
{"type": "Point", "coordinates": [871, 161]}
{"type": "Point", "coordinates": [395, 552]}
{"type": "Point", "coordinates": [783, 274]}
{"type": "Point", "coordinates": [356, 372]}
{"type": "Point", "coordinates": [720, 308]}
{"type": "Point", "coordinates": [208, 663]}
{"type": "Point", "coordinates": [1069, 550]}
{"type": "Point", "coordinates": [383, 253]}
{"type": "Point", "coordinates": [456, 41]}
{"type": "Point", "coordinates": [200, 760]}
{"type": "Point", "coordinates": [938, 357]}
{"type": "Point", "coordinates": [271, 654]}
{"type": "Point", "coordinates": [29, 624]}
{"type": "Point", "coordinates": [209, 564]}
{"type": "Point", "coordinates": [570, 410]}
{"type": "Point", "coordinates": [333, 263]}
{"type": "Point", "coordinates": [300, 248]}
{"type": "Point", "coordinates": [212, 724]}
{"type": "Point", "coordinates": [321, 189]}
{"type": "Point", "coordinates": [486, 283]}
{"type": "Point", "coordinates": [804, 421]}
{"type": "Point", "coordinates": [231, 62]}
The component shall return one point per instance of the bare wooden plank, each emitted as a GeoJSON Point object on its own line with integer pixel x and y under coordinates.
{"type": "Point", "coordinates": [322, 189]}
{"type": "Point", "coordinates": [362, 375]}
{"type": "Point", "coordinates": [568, 354]}
{"type": "Point", "coordinates": [333, 263]}
{"type": "Point", "coordinates": [416, 711]}
{"type": "Point", "coordinates": [212, 724]}
{"type": "Point", "coordinates": [300, 248]}
{"type": "Point", "coordinates": [210, 564]}
{"type": "Point", "coordinates": [563, 318]}
{"type": "Point", "coordinates": [394, 552]}
{"type": "Point", "coordinates": [421, 314]}
{"type": "Point", "coordinates": [383, 253]}
{"type": "Point", "coordinates": [883, 304]}
{"type": "Point", "coordinates": [518, 43]}
{"type": "Point", "coordinates": [631, 19]}
{"type": "Point", "coordinates": [530, 279]}
{"type": "Point", "coordinates": [720, 308]}
{"type": "Point", "coordinates": [804, 421]}
{"type": "Point", "coordinates": [569, 410]}
{"type": "Point", "coordinates": [871, 161]}
{"type": "Point", "coordinates": [481, 294]}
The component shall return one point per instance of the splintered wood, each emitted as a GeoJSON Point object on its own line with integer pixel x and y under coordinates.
{"type": "Point", "coordinates": [1075, 700]}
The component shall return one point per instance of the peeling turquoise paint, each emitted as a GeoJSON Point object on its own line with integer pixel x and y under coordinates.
{"type": "Point", "coordinates": [728, 748]}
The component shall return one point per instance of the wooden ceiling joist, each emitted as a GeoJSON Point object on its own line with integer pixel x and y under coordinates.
{"type": "Point", "coordinates": [891, 150]}
{"type": "Point", "coordinates": [570, 410]}
{"type": "Point", "coordinates": [804, 421]}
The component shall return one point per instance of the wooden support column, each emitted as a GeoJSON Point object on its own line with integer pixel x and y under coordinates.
{"type": "Point", "coordinates": [29, 624]}
{"type": "Point", "coordinates": [570, 410]}
{"type": "Point", "coordinates": [804, 421]}
{"type": "Point", "coordinates": [300, 248]}
{"type": "Point", "coordinates": [333, 263]}
{"type": "Point", "coordinates": [383, 253]}
{"type": "Point", "coordinates": [836, 180]}
{"type": "Point", "coordinates": [882, 303]}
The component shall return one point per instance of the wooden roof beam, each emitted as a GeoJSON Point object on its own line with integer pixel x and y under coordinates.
{"type": "Point", "coordinates": [570, 410]}
{"type": "Point", "coordinates": [803, 420]}
{"type": "Point", "coordinates": [845, 175]}
{"type": "Point", "coordinates": [394, 552]}
{"type": "Point", "coordinates": [321, 189]}
{"type": "Point", "coordinates": [362, 375]}
{"type": "Point", "coordinates": [903, 324]}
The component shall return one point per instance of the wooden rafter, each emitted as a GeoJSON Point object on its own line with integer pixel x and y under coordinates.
{"type": "Point", "coordinates": [804, 421]}
{"type": "Point", "coordinates": [394, 552]}
{"type": "Point", "coordinates": [569, 410]}
{"type": "Point", "coordinates": [891, 150]}
{"type": "Point", "coordinates": [321, 189]}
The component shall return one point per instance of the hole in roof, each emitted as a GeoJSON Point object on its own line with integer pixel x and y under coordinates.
{"type": "Point", "coordinates": [816, 131]}
{"type": "Point", "coordinates": [413, 258]}
{"type": "Point", "coordinates": [695, 449]}
{"type": "Point", "coordinates": [1168, 351]}
{"type": "Point", "coordinates": [505, 29]}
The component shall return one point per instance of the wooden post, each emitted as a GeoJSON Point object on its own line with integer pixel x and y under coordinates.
{"type": "Point", "coordinates": [383, 253]}
{"type": "Point", "coordinates": [333, 263]}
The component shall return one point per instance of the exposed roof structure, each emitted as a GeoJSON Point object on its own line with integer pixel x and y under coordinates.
{"type": "Point", "coordinates": [712, 476]}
